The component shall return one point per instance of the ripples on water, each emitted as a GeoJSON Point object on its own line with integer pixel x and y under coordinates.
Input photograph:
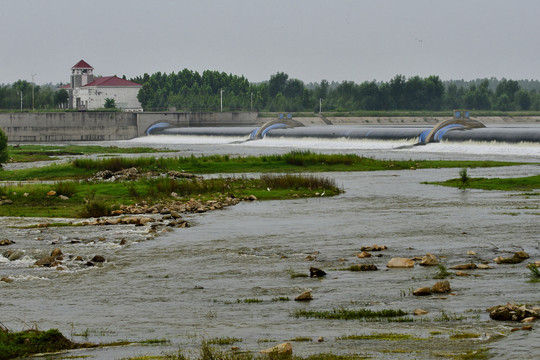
{"type": "Point", "coordinates": [186, 284]}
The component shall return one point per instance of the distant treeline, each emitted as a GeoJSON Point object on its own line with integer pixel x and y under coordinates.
{"type": "Point", "coordinates": [190, 91]}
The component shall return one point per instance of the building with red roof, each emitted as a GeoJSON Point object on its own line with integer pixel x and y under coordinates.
{"type": "Point", "coordinates": [87, 92]}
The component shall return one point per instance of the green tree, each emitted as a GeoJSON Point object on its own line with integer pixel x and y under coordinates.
{"type": "Point", "coordinates": [61, 97]}
{"type": "Point", "coordinates": [109, 103]}
{"type": "Point", "coordinates": [4, 156]}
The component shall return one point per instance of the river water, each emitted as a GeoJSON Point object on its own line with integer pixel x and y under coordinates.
{"type": "Point", "coordinates": [195, 283]}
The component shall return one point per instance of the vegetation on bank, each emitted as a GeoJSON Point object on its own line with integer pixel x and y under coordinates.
{"type": "Point", "coordinates": [86, 199]}
{"type": "Point", "coordinates": [29, 153]}
{"type": "Point", "coordinates": [294, 161]}
{"type": "Point", "coordinates": [527, 183]}
{"type": "Point", "coordinates": [29, 342]}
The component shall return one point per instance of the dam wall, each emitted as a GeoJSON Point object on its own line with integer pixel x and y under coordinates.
{"type": "Point", "coordinates": [25, 127]}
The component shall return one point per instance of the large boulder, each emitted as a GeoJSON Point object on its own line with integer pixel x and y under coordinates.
{"type": "Point", "coordinates": [429, 260]}
{"type": "Point", "coordinates": [512, 312]}
{"type": "Point", "coordinates": [441, 287]}
{"type": "Point", "coordinates": [423, 291]}
{"type": "Point", "coordinates": [281, 349]}
{"type": "Point", "coordinates": [399, 262]}
{"type": "Point", "coordinates": [316, 272]}
{"type": "Point", "coordinates": [305, 296]}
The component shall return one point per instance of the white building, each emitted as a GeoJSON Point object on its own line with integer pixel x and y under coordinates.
{"type": "Point", "coordinates": [88, 93]}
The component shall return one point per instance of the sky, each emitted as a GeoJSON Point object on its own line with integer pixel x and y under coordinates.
{"type": "Point", "coordinates": [310, 40]}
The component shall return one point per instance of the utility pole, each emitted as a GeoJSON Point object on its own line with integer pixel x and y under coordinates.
{"type": "Point", "coordinates": [320, 105]}
{"type": "Point", "coordinates": [251, 101]}
{"type": "Point", "coordinates": [221, 102]}
{"type": "Point", "coordinates": [20, 92]}
{"type": "Point", "coordinates": [33, 90]}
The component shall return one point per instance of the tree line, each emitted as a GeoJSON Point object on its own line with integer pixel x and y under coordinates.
{"type": "Point", "coordinates": [191, 91]}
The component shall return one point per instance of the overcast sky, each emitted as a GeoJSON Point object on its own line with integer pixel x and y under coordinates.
{"type": "Point", "coordinates": [310, 40]}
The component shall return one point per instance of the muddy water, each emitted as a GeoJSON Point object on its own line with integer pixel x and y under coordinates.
{"type": "Point", "coordinates": [186, 284]}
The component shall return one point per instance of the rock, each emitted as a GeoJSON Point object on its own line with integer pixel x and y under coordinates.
{"type": "Point", "coordinates": [320, 339]}
{"type": "Point", "coordinates": [462, 273]}
{"type": "Point", "coordinates": [521, 255]}
{"type": "Point", "coordinates": [484, 266]}
{"type": "Point", "coordinates": [518, 257]}
{"type": "Point", "coordinates": [6, 279]}
{"type": "Point", "coordinates": [441, 287]}
{"type": "Point", "coordinates": [6, 202]}
{"type": "Point", "coordinates": [51, 193]}
{"type": "Point", "coordinates": [56, 252]}
{"type": "Point", "coordinates": [537, 263]}
{"type": "Point", "coordinates": [282, 349]}
{"type": "Point", "coordinates": [315, 272]}
{"type": "Point", "coordinates": [6, 242]}
{"type": "Point", "coordinates": [529, 319]}
{"type": "Point", "coordinates": [48, 261]}
{"type": "Point", "coordinates": [26, 194]}
{"type": "Point", "coordinates": [423, 291]}
{"type": "Point", "coordinates": [374, 247]}
{"type": "Point", "coordinates": [400, 263]}
{"type": "Point", "coordinates": [363, 254]}
{"type": "Point", "coordinates": [464, 267]}
{"type": "Point", "coordinates": [363, 267]}
{"type": "Point", "coordinates": [310, 258]}
{"type": "Point", "coordinates": [63, 197]}
{"type": "Point", "coordinates": [419, 312]}
{"type": "Point", "coordinates": [305, 296]}
{"type": "Point", "coordinates": [471, 253]}
{"type": "Point", "coordinates": [429, 260]}
{"type": "Point", "coordinates": [98, 259]}
{"type": "Point", "coordinates": [16, 255]}
{"type": "Point", "coordinates": [527, 328]}
{"type": "Point", "coordinates": [251, 198]}
{"type": "Point", "coordinates": [511, 312]}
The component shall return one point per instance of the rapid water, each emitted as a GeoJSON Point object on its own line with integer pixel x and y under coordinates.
{"type": "Point", "coordinates": [187, 284]}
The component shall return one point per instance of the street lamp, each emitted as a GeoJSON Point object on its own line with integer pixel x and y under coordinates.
{"type": "Point", "coordinates": [20, 92]}
{"type": "Point", "coordinates": [33, 90]}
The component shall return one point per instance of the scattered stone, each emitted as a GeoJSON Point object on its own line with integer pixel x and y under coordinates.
{"type": "Point", "coordinates": [282, 349]}
{"type": "Point", "coordinates": [441, 287]}
{"type": "Point", "coordinates": [320, 339]}
{"type": "Point", "coordinates": [89, 263]}
{"type": "Point", "coordinates": [6, 242]}
{"type": "Point", "coordinates": [517, 258]}
{"type": "Point", "coordinates": [98, 259]}
{"type": "Point", "coordinates": [305, 296]}
{"type": "Point", "coordinates": [512, 312]}
{"type": "Point", "coordinates": [51, 193]}
{"type": "Point", "coordinates": [63, 197]}
{"type": "Point", "coordinates": [400, 263]}
{"type": "Point", "coordinates": [342, 259]}
{"type": "Point", "coordinates": [429, 260]}
{"type": "Point", "coordinates": [316, 273]}
{"type": "Point", "coordinates": [484, 266]}
{"type": "Point", "coordinates": [374, 247]}
{"type": "Point", "coordinates": [48, 261]}
{"type": "Point", "coordinates": [462, 273]}
{"type": "Point", "coordinates": [363, 254]}
{"type": "Point", "coordinates": [471, 253]}
{"type": "Point", "coordinates": [56, 252]}
{"type": "Point", "coordinates": [6, 279]}
{"type": "Point", "coordinates": [537, 263]}
{"type": "Point", "coordinates": [310, 257]}
{"type": "Point", "coordinates": [527, 328]}
{"type": "Point", "coordinates": [363, 267]}
{"type": "Point", "coordinates": [419, 312]}
{"type": "Point", "coordinates": [470, 266]}
{"type": "Point", "coordinates": [423, 291]}
{"type": "Point", "coordinates": [16, 255]}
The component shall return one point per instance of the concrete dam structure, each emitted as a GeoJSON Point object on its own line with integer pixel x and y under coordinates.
{"type": "Point", "coordinates": [108, 126]}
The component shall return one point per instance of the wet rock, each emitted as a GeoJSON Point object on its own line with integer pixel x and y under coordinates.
{"type": "Point", "coordinates": [56, 252]}
{"type": "Point", "coordinates": [78, 258]}
{"type": "Point", "coordinates": [6, 279]}
{"type": "Point", "coordinates": [320, 339]}
{"type": "Point", "coordinates": [16, 255]}
{"type": "Point", "coordinates": [529, 319]}
{"type": "Point", "coordinates": [281, 349]}
{"type": "Point", "coordinates": [471, 253]}
{"type": "Point", "coordinates": [98, 259]}
{"type": "Point", "coordinates": [251, 198]}
{"type": "Point", "coordinates": [89, 264]}
{"type": "Point", "coordinates": [419, 312]}
{"type": "Point", "coordinates": [462, 273]}
{"type": "Point", "coordinates": [423, 291]}
{"type": "Point", "coordinates": [484, 266]}
{"type": "Point", "coordinates": [6, 242]}
{"type": "Point", "coordinates": [374, 247]}
{"type": "Point", "coordinates": [363, 267]}
{"type": "Point", "coordinates": [48, 261]}
{"type": "Point", "coordinates": [441, 287]}
{"type": "Point", "coordinates": [363, 254]}
{"type": "Point", "coordinates": [429, 260]}
{"type": "Point", "coordinates": [537, 263]}
{"type": "Point", "coordinates": [315, 272]}
{"type": "Point", "coordinates": [470, 266]}
{"type": "Point", "coordinates": [400, 263]}
{"type": "Point", "coordinates": [51, 193]}
{"type": "Point", "coordinates": [310, 257]}
{"type": "Point", "coordinates": [511, 312]}
{"type": "Point", "coordinates": [305, 296]}
{"type": "Point", "coordinates": [517, 258]}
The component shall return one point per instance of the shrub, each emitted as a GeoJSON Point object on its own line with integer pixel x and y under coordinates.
{"type": "Point", "coordinates": [96, 209]}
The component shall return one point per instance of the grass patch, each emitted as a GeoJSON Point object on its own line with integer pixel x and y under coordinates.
{"type": "Point", "coordinates": [155, 341]}
{"type": "Point", "coordinates": [462, 336]}
{"type": "Point", "coordinates": [301, 339]}
{"type": "Point", "coordinates": [349, 314]}
{"type": "Point", "coordinates": [295, 161]}
{"type": "Point", "coordinates": [507, 184]}
{"type": "Point", "coordinates": [249, 301]}
{"type": "Point", "coordinates": [281, 298]}
{"type": "Point", "coordinates": [223, 340]}
{"type": "Point", "coordinates": [380, 336]}
{"type": "Point", "coordinates": [442, 272]}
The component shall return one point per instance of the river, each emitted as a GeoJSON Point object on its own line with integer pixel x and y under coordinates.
{"type": "Point", "coordinates": [229, 274]}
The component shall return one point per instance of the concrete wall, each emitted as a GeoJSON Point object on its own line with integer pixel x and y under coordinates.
{"type": "Point", "coordinates": [102, 126]}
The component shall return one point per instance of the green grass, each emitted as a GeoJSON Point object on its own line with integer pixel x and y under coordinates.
{"type": "Point", "coordinates": [249, 301]}
{"type": "Point", "coordinates": [26, 343]}
{"type": "Point", "coordinates": [27, 153]}
{"type": "Point", "coordinates": [223, 340]}
{"type": "Point", "coordinates": [292, 162]}
{"type": "Point", "coordinates": [348, 314]}
{"type": "Point", "coordinates": [95, 198]}
{"type": "Point", "coordinates": [381, 336]}
{"type": "Point", "coordinates": [506, 184]}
